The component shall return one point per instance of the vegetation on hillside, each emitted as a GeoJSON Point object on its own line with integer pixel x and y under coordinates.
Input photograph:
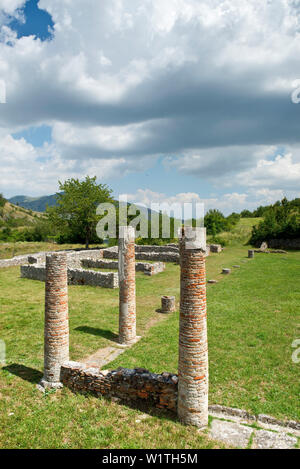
{"type": "Point", "coordinates": [73, 219]}
{"type": "Point", "coordinates": [280, 221]}
{"type": "Point", "coordinates": [19, 224]}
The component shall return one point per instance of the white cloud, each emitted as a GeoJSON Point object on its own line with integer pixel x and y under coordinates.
{"type": "Point", "coordinates": [205, 84]}
{"type": "Point", "coordinates": [9, 6]}
{"type": "Point", "coordinates": [227, 203]}
{"type": "Point", "coordinates": [35, 171]}
{"type": "Point", "coordinates": [283, 172]}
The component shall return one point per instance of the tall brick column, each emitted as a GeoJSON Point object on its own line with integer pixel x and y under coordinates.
{"type": "Point", "coordinates": [127, 303]}
{"type": "Point", "coordinates": [56, 339]}
{"type": "Point", "coordinates": [193, 352]}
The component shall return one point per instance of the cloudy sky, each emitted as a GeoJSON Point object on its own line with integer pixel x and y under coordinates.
{"type": "Point", "coordinates": [164, 100]}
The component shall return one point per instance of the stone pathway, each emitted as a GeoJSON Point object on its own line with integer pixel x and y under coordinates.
{"type": "Point", "coordinates": [106, 355]}
{"type": "Point", "coordinates": [102, 357]}
{"type": "Point", "coordinates": [238, 429]}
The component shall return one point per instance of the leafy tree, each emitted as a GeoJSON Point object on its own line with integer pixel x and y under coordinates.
{"type": "Point", "coordinates": [215, 222]}
{"type": "Point", "coordinates": [2, 200]}
{"type": "Point", "coordinates": [246, 214]}
{"type": "Point", "coordinates": [74, 215]}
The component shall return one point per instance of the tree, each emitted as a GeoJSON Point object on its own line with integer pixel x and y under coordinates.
{"type": "Point", "coordinates": [246, 214]}
{"type": "Point", "coordinates": [215, 222]}
{"type": "Point", "coordinates": [2, 201]}
{"type": "Point", "coordinates": [74, 214]}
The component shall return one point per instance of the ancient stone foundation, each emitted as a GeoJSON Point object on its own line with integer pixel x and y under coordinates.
{"type": "Point", "coordinates": [193, 353]}
{"type": "Point", "coordinates": [56, 337]}
{"type": "Point", "coordinates": [168, 304]}
{"type": "Point", "coordinates": [145, 267]}
{"type": "Point", "coordinates": [127, 302]}
{"type": "Point", "coordinates": [188, 392]}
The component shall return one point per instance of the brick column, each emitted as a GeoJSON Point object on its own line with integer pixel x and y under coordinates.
{"type": "Point", "coordinates": [127, 304]}
{"type": "Point", "coordinates": [193, 352]}
{"type": "Point", "coordinates": [56, 339]}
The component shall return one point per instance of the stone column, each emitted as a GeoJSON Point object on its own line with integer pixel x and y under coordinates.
{"type": "Point", "coordinates": [193, 352]}
{"type": "Point", "coordinates": [127, 303]}
{"type": "Point", "coordinates": [56, 339]}
{"type": "Point", "coordinates": [251, 254]}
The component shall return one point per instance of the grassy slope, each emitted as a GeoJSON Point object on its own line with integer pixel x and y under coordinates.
{"type": "Point", "coordinates": [20, 217]}
{"type": "Point", "coordinates": [19, 212]}
{"type": "Point", "coordinates": [241, 233]}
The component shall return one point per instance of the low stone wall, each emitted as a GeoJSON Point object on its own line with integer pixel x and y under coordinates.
{"type": "Point", "coordinates": [133, 386]}
{"type": "Point", "coordinates": [150, 248]}
{"type": "Point", "coordinates": [93, 278]}
{"type": "Point", "coordinates": [158, 256]}
{"type": "Point", "coordinates": [19, 260]}
{"type": "Point", "coordinates": [151, 269]}
{"type": "Point", "coordinates": [33, 272]}
{"type": "Point", "coordinates": [145, 256]}
{"type": "Point", "coordinates": [73, 256]}
{"type": "Point", "coordinates": [284, 243]}
{"type": "Point", "coordinates": [146, 268]}
{"type": "Point", "coordinates": [75, 276]}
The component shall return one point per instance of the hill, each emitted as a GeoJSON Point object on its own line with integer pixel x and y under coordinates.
{"type": "Point", "coordinates": [21, 215]}
{"type": "Point", "coordinates": [37, 204]}
{"type": "Point", "coordinates": [15, 221]}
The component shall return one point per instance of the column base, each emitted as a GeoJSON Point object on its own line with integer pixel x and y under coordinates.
{"type": "Point", "coordinates": [43, 385]}
{"type": "Point", "coordinates": [129, 344]}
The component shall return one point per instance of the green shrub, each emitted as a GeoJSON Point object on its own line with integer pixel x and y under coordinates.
{"type": "Point", "coordinates": [281, 221]}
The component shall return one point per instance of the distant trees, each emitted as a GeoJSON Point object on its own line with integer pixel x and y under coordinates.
{"type": "Point", "coordinates": [2, 201]}
{"type": "Point", "coordinates": [281, 221]}
{"type": "Point", "coordinates": [215, 222]}
{"type": "Point", "coordinates": [74, 214]}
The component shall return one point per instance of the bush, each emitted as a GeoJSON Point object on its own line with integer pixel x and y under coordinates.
{"type": "Point", "coordinates": [281, 221]}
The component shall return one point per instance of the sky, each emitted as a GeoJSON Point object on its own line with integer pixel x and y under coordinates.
{"type": "Point", "coordinates": [163, 100]}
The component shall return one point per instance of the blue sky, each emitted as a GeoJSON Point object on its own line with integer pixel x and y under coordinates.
{"type": "Point", "coordinates": [164, 101]}
{"type": "Point", "coordinates": [37, 22]}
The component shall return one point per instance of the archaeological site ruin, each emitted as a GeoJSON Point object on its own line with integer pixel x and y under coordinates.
{"type": "Point", "coordinates": [185, 393]}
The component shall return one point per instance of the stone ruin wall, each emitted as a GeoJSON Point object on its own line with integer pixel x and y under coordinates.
{"type": "Point", "coordinates": [284, 243]}
{"type": "Point", "coordinates": [75, 276]}
{"type": "Point", "coordinates": [134, 386]}
{"type": "Point", "coordinates": [147, 255]}
{"type": "Point", "coordinates": [166, 253]}
{"type": "Point", "coordinates": [40, 257]}
{"type": "Point", "coordinates": [146, 268]}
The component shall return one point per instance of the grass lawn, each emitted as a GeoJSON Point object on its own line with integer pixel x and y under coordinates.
{"type": "Point", "coordinates": [253, 318]}
{"type": "Point", "coordinates": [9, 249]}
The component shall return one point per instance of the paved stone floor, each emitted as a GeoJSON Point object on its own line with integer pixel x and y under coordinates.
{"type": "Point", "coordinates": [252, 433]}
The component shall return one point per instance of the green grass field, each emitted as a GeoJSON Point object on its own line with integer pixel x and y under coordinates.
{"type": "Point", "coordinates": [9, 249]}
{"type": "Point", "coordinates": [253, 318]}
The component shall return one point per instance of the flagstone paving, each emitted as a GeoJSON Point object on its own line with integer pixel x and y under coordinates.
{"type": "Point", "coordinates": [246, 431]}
